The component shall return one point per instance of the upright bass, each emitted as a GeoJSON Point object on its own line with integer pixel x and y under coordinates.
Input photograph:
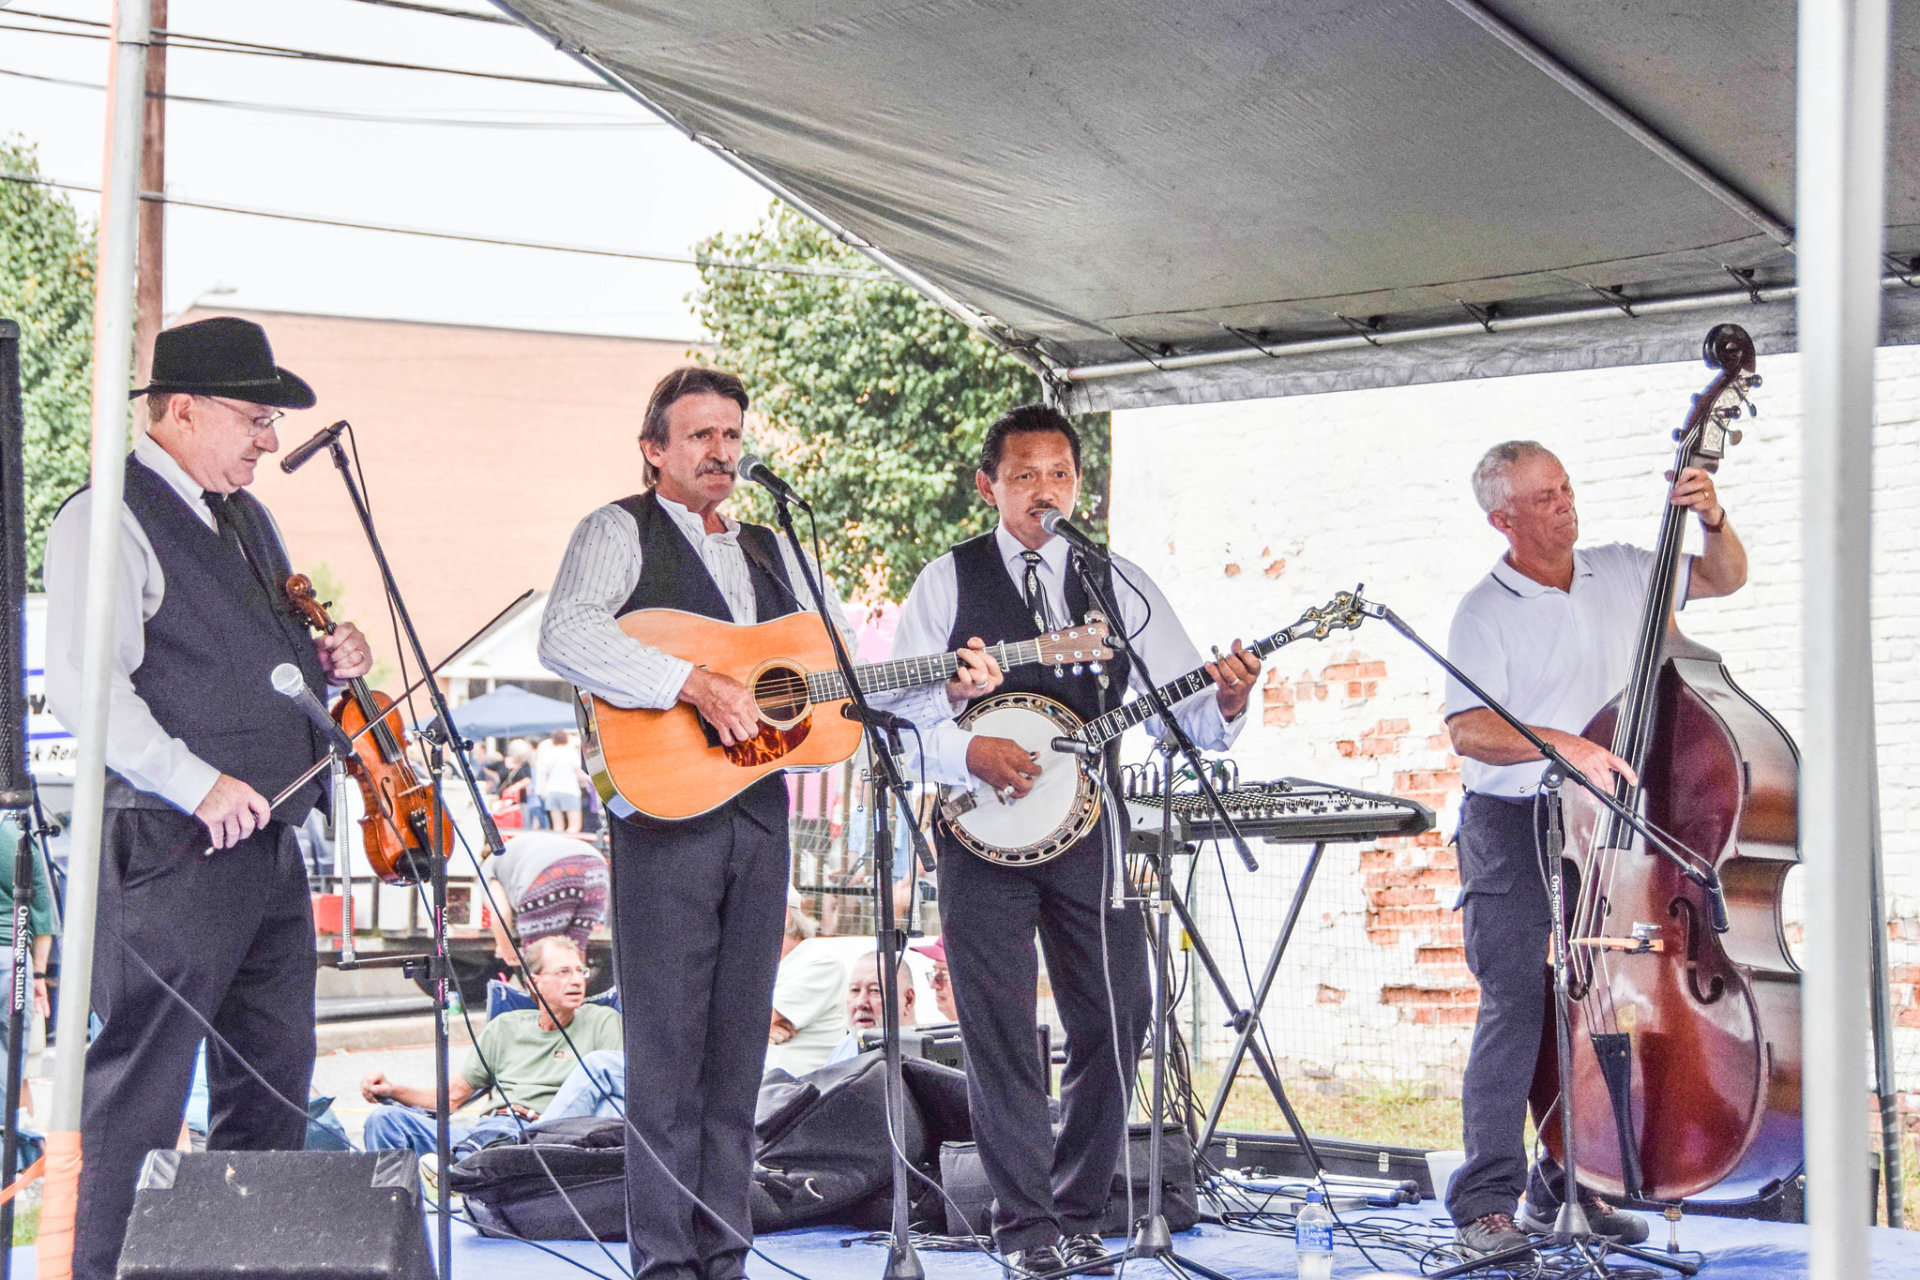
{"type": "Point", "coordinates": [1686, 1038]}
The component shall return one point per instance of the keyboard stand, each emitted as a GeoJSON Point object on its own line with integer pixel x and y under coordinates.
{"type": "Point", "coordinates": [1247, 1021]}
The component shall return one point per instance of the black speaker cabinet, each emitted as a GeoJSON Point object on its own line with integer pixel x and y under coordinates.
{"type": "Point", "coordinates": [277, 1215]}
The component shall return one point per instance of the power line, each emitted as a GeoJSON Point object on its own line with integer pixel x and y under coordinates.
{"type": "Point", "coordinates": [720, 264]}
{"type": "Point", "coordinates": [440, 12]}
{"type": "Point", "coordinates": [218, 44]}
{"type": "Point", "coordinates": [327, 113]}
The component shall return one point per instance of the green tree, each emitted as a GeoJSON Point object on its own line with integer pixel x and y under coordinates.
{"type": "Point", "coordinates": [875, 399]}
{"type": "Point", "coordinates": [46, 284]}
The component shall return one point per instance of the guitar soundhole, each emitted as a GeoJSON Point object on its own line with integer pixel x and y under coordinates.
{"type": "Point", "coordinates": [781, 694]}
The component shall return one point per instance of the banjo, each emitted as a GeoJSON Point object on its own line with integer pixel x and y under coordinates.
{"type": "Point", "coordinates": [1065, 800]}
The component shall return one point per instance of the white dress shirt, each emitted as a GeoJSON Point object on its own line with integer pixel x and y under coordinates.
{"type": "Point", "coordinates": [138, 749]}
{"type": "Point", "coordinates": [580, 635]}
{"type": "Point", "coordinates": [1552, 657]}
{"type": "Point", "coordinates": [1157, 638]}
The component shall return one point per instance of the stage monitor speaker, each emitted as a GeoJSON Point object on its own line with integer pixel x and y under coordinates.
{"type": "Point", "coordinates": [15, 786]}
{"type": "Point", "coordinates": [277, 1215]}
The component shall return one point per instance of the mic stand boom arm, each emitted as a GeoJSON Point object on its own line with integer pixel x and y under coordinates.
{"type": "Point", "coordinates": [1684, 859]}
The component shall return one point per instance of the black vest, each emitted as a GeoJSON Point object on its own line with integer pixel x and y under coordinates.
{"type": "Point", "coordinates": [213, 644]}
{"type": "Point", "coordinates": [991, 607]}
{"type": "Point", "coordinates": [673, 576]}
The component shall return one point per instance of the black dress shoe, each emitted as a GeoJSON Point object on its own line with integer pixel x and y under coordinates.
{"type": "Point", "coordinates": [1040, 1260]}
{"type": "Point", "coordinates": [1088, 1254]}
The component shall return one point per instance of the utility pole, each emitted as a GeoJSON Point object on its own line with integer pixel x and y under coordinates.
{"type": "Point", "coordinates": [153, 213]}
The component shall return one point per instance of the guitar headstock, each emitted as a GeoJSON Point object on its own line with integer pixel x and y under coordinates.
{"type": "Point", "coordinates": [1709, 430]}
{"type": "Point", "coordinates": [1084, 643]}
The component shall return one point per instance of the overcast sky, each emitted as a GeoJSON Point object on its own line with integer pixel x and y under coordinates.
{"type": "Point", "coordinates": [628, 182]}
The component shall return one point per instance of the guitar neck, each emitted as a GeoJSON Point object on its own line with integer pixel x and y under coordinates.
{"type": "Point", "coordinates": [906, 673]}
{"type": "Point", "coordinates": [1104, 729]}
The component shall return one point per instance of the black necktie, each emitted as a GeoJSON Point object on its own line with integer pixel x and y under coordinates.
{"type": "Point", "coordinates": [1036, 598]}
{"type": "Point", "coordinates": [227, 519]}
{"type": "Point", "coordinates": [223, 520]}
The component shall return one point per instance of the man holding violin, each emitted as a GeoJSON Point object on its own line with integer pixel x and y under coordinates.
{"type": "Point", "coordinates": [1550, 633]}
{"type": "Point", "coordinates": [203, 894]}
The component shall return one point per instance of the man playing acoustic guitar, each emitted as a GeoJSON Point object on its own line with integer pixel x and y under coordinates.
{"type": "Point", "coordinates": [698, 905]}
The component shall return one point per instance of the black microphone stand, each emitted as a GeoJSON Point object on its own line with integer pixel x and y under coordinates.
{"type": "Point", "coordinates": [1571, 1230]}
{"type": "Point", "coordinates": [1151, 1238]}
{"type": "Point", "coordinates": [903, 1263]}
{"type": "Point", "coordinates": [440, 967]}
{"type": "Point", "coordinates": [31, 845]}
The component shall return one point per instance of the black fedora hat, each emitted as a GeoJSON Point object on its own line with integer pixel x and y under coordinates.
{"type": "Point", "coordinates": [224, 356]}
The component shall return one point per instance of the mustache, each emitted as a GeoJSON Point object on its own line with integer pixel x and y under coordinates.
{"type": "Point", "coordinates": [715, 469]}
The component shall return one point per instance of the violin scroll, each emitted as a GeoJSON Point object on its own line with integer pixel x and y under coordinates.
{"type": "Point", "coordinates": [301, 600]}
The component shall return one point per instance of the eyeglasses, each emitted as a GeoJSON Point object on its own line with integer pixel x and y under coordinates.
{"type": "Point", "coordinates": [255, 426]}
{"type": "Point", "coordinates": [570, 971]}
{"type": "Point", "coordinates": [939, 978]}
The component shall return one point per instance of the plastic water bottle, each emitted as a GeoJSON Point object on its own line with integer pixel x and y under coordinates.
{"type": "Point", "coordinates": [1313, 1239]}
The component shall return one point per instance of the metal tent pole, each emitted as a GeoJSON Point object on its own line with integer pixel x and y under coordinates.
{"type": "Point", "coordinates": [1841, 181]}
{"type": "Point", "coordinates": [113, 315]}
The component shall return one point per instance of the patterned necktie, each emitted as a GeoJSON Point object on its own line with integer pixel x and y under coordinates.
{"type": "Point", "coordinates": [1036, 598]}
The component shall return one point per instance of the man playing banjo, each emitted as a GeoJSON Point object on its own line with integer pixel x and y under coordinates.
{"type": "Point", "coordinates": [1012, 584]}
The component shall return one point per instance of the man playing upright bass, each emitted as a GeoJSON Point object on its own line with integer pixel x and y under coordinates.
{"type": "Point", "coordinates": [1550, 634]}
{"type": "Point", "coordinates": [1011, 584]}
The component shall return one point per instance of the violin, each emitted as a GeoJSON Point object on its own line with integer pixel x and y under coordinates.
{"type": "Point", "coordinates": [1686, 1030]}
{"type": "Point", "coordinates": [402, 816]}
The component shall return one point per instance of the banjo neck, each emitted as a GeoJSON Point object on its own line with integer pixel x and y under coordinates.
{"type": "Point", "coordinates": [1343, 612]}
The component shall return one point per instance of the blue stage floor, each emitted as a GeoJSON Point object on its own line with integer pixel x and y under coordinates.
{"type": "Point", "coordinates": [1734, 1249]}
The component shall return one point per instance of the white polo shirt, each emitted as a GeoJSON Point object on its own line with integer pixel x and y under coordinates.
{"type": "Point", "coordinates": [1554, 658]}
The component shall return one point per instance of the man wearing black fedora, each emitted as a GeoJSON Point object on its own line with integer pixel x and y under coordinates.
{"type": "Point", "coordinates": [203, 893]}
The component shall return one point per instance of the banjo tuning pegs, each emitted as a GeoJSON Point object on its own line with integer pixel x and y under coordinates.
{"type": "Point", "coordinates": [1078, 668]}
{"type": "Point", "coordinates": [1059, 672]}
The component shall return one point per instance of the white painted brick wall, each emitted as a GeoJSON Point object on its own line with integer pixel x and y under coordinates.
{"type": "Point", "coordinates": [1246, 513]}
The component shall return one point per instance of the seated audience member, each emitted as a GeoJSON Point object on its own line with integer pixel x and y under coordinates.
{"type": "Point", "coordinates": [941, 984]}
{"type": "Point", "coordinates": [549, 884]}
{"type": "Point", "coordinates": [521, 1058]}
{"type": "Point", "coordinates": [865, 1004]}
{"type": "Point", "coordinates": [807, 995]}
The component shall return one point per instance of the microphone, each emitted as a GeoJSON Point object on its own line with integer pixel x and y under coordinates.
{"type": "Point", "coordinates": [321, 439]}
{"type": "Point", "coordinates": [288, 681]}
{"type": "Point", "coordinates": [881, 719]}
{"type": "Point", "coordinates": [754, 467]}
{"type": "Point", "coordinates": [1057, 525]}
{"type": "Point", "coordinates": [1073, 747]}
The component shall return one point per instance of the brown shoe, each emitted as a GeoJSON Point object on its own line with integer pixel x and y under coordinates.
{"type": "Point", "coordinates": [1490, 1233]}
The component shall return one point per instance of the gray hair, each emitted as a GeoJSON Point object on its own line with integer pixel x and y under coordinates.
{"type": "Point", "coordinates": [1491, 488]}
{"type": "Point", "coordinates": [536, 952]}
{"type": "Point", "coordinates": [800, 925]}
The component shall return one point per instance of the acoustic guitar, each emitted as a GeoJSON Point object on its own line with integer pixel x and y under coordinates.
{"type": "Point", "coordinates": [670, 764]}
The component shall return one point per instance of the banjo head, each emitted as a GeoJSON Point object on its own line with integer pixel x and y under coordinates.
{"type": "Point", "coordinates": [1049, 819]}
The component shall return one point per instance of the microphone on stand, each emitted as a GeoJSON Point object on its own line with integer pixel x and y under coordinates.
{"type": "Point", "coordinates": [288, 682]}
{"type": "Point", "coordinates": [1057, 525]}
{"type": "Point", "coordinates": [321, 439]}
{"type": "Point", "coordinates": [754, 467]}
{"type": "Point", "coordinates": [1073, 747]}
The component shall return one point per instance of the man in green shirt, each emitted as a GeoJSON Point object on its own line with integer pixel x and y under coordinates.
{"type": "Point", "coordinates": [40, 923]}
{"type": "Point", "coordinates": [521, 1058]}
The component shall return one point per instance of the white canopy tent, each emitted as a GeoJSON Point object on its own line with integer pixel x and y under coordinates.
{"type": "Point", "coordinates": [1157, 203]}
{"type": "Point", "coordinates": [1153, 203]}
